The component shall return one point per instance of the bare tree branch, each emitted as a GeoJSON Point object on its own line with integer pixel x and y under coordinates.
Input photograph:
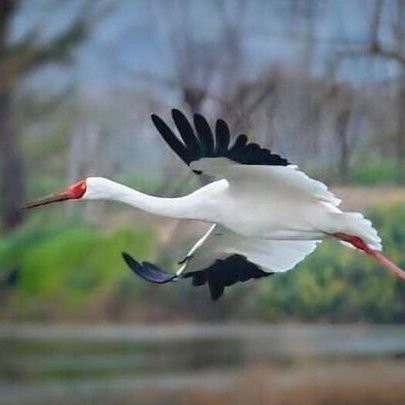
{"type": "Point", "coordinates": [17, 60]}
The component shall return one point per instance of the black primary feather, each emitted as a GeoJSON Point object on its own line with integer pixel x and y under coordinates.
{"type": "Point", "coordinates": [205, 134]}
{"type": "Point", "coordinates": [148, 271]}
{"type": "Point", "coordinates": [223, 273]}
{"type": "Point", "coordinates": [186, 132]}
{"type": "Point", "coordinates": [171, 139]}
{"type": "Point", "coordinates": [200, 142]}
{"type": "Point", "coordinates": [223, 136]}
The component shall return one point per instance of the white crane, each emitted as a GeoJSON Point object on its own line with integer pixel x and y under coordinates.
{"type": "Point", "coordinates": [266, 215]}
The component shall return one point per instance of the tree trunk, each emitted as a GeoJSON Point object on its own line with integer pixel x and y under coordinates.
{"type": "Point", "coordinates": [11, 165]}
{"type": "Point", "coordinates": [400, 141]}
{"type": "Point", "coordinates": [17, 59]}
{"type": "Point", "coordinates": [342, 132]}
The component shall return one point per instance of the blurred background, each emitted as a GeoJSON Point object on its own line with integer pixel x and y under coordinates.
{"type": "Point", "coordinates": [319, 81]}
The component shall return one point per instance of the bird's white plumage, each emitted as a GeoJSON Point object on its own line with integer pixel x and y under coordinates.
{"type": "Point", "coordinates": [282, 181]}
{"type": "Point", "coordinates": [270, 255]}
{"type": "Point", "coordinates": [279, 202]}
{"type": "Point", "coordinates": [260, 202]}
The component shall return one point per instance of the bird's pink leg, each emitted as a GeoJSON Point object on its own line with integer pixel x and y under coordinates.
{"type": "Point", "coordinates": [360, 244]}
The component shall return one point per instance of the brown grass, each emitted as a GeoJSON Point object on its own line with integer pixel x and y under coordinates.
{"type": "Point", "coordinates": [361, 383]}
{"type": "Point", "coordinates": [339, 383]}
{"type": "Point", "coordinates": [324, 383]}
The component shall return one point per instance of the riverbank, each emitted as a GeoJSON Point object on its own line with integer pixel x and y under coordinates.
{"type": "Point", "coordinates": [200, 363]}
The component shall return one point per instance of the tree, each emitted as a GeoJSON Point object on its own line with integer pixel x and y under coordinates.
{"type": "Point", "coordinates": [17, 60]}
{"type": "Point", "coordinates": [395, 51]}
{"type": "Point", "coordinates": [386, 41]}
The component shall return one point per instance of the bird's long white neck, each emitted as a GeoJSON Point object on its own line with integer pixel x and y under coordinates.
{"type": "Point", "coordinates": [99, 188]}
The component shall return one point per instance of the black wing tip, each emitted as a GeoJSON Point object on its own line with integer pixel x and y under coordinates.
{"type": "Point", "coordinates": [216, 291]}
{"type": "Point", "coordinates": [198, 116]}
{"type": "Point", "coordinates": [223, 273]}
{"type": "Point", "coordinates": [196, 143]}
{"type": "Point", "coordinates": [173, 111]}
{"type": "Point", "coordinates": [159, 122]}
{"type": "Point", "coordinates": [130, 261]}
{"type": "Point", "coordinates": [179, 117]}
{"type": "Point", "coordinates": [155, 117]}
{"type": "Point", "coordinates": [222, 125]}
{"type": "Point", "coordinates": [148, 271]}
{"type": "Point", "coordinates": [177, 112]}
{"type": "Point", "coordinates": [201, 119]}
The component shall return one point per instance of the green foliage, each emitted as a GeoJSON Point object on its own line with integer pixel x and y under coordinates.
{"type": "Point", "coordinates": [66, 270]}
{"type": "Point", "coordinates": [339, 284]}
{"type": "Point", "coordinates": [374, 172]}
{"type": "Point", "coordinates": [365, 171]}
{"type": "Point", "coordinates": [73, 271]}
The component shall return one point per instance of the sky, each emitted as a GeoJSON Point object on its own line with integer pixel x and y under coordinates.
{"type": "Point", "coordinates": [135, 38]}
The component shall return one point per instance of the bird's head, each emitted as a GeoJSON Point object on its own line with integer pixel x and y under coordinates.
{"type": "Point", "coordinates": [91, 188]}
{"type": "Point", "coordinates": [76, 191]}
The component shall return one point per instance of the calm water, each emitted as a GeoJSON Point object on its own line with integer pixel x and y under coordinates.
{"type": "Point", "coordinates": [70, 364]}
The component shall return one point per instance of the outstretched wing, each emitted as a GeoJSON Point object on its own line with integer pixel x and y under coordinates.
{"type": "Point", "coordinates": [201, 142]}
{"type": "Point", "coordinates": [244, 165]}
{"type": "Point", "coordinates": [222, 258]}
{"type": "Point", "coordinates": [222, 273]}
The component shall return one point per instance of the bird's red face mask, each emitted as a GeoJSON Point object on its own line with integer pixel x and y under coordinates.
{"type": "Point", "coordinates": [73, 192]}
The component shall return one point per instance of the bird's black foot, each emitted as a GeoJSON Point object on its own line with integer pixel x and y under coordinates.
{"type": "Point", "coordinates": [148, 271]}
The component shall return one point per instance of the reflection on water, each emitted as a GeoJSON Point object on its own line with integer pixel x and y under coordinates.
{"type": "Point", "coordinates": [75, 363]}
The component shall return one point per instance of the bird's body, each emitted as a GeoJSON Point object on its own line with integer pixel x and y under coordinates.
{"type": "Point", "coordinates": [260, 215]}
{"type": "Point", "coordinates": [268, 208]}
{"type": "Point", "coordinates": [266, 215]}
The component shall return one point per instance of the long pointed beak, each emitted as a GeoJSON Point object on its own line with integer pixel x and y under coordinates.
{"type": "Point", "coordinates": [62, 196]}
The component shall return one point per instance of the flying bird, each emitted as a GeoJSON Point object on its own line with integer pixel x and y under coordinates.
{"type": "Point", "coordinates": [265, 214]}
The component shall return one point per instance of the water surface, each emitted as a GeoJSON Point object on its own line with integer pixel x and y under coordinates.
{"type": "Point", "coordinates": [74, 363]}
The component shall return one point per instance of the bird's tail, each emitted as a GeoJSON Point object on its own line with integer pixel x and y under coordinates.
{"type": "Point", "coordinates": [358, 232]}
{"type": "Point", "coordinates": [354, 223]}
